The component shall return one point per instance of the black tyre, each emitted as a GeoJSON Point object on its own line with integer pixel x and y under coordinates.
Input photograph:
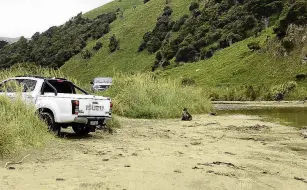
{"type": "Point", "coordinates": [52, 125]}
{"type": "Point", "coordinates": [81, 129]}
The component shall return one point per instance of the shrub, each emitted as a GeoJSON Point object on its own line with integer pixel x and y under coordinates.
{"type": "Point", "coordinates": [142, 47]}
{"type": "Point", "coordinates": [143, 96]}
{"type": "Point", "coordinates": [153, 45]}
{"type": "Point", "coordinates": [300, 77]}
{"type": "Point", "coordinates": [288, 44]}
{"type": "Point", "coordinates": [86, 54]}
{"type": "Point", "coordinates": [187, 82]}
{"type": "Point", "coordinates": [193, 6]}
{"type": "Point", "coordinates": [98, 46]}
{"type": "Point", "coordinates": [167, 11]}
{"type": "Point", "coordinates": [251, 93]}
{"type": "Point", "coordinates": [186, 54]}
{"type": "Point", "coordinates": [254, 46]}
{"type": "Point", "coordinates": [21, 129]}
{"type": "Point", "coordinates": [114, 44]}
{"type": "Point", "coordinates": [278, 92]}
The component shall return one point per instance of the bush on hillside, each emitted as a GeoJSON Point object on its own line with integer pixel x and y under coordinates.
{"type": "Point", "coordinates": [153, 45]}
{"type": "Point", "coordinates": [193, 6]}
{"type": "Point", "coordinates": [186, 54]}
{"type": "Point", "coordinates": [300, 77]}
{"type": "Point", "coordinates": [188, 82]}
{"type": "Point", "coordinates": [142, 47]}
{"type": "Point", "coordinates": [113, 44]}
{"type": "Point", "coordinates": [98, 46]}
{"type": "Point", "coordinates": [254, 46]}
{"type": "Point", "coordinates": [21, 129]}
{"type": "Point", "coordinates": [86, 54]}
{"type": "Point", "coordinates": [143, 96]}
{"type": "Point", "coordinates": [279, 92]}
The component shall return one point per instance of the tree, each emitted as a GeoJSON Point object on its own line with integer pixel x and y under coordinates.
{"type": "Point", "coordinates": [3, 43]}
{"type": "Point", "coordinates": [186, 54]}
{"type": "Point", "coordinates": [193, 6]}
{"type": "Point", "coordinates": [153, 44]}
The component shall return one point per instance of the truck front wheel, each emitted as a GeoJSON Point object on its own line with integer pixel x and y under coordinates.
{"type": "Point", "coordinates": [81, 129]}
{"type": "Point", "coordinates": [50, 122]}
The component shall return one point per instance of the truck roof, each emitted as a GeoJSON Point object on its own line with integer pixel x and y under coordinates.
{"type": "Point", "coordinates": [103, 80]}
{"type": "Point", "coordinates": [39, 77]}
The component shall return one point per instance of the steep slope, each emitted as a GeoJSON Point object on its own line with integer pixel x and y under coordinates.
{"type": "Point", "coordinates": [237, 65]}
{"type": "Point", "coordinates": [138, 18]}
{"type": "Point", "coordinates": [268, 70]}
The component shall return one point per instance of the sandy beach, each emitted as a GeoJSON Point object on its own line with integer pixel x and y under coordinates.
{"type": "Point", "coordinates": [210, 152]}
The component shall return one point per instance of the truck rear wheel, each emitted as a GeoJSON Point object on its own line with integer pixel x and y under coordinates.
{"type": "Point", "coordinates": [51, 124]}
{"type": "Point", "coordinates": [81, 129]}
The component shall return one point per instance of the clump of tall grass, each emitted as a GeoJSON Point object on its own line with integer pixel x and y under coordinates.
{"type": "Point", "coordinates": [20, 127]}
{"type": "Point", "coordinates": [144, 96]}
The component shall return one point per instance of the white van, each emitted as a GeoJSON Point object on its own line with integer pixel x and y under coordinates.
{"type": "Point", "coordinates": [101, 83]}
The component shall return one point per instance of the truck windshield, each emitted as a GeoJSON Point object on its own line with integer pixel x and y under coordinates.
{"type": "Point", "coordinates": [64, 87]}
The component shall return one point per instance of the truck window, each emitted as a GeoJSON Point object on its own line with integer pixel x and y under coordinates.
{"type": "Point", "coordinates": [14, 85]}
{"type": "Point", "coordinates": [28, 85]}
{"type": "Point", "coordinates": [64, 87]}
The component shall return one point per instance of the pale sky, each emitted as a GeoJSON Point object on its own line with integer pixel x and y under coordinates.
{"type": "Point", "coordinates": [25, 17]}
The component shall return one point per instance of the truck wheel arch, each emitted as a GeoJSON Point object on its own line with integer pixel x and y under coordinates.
{"type": "Point", "coordinates": [40, 110]}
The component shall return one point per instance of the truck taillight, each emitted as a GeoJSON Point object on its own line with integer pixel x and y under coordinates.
{"type": "Point", "coordinates": [111, 106]}
{"type": "Point", "coordinates": [75, 107]}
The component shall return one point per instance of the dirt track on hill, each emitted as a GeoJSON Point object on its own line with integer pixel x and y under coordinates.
{"type": "Point", "coordinates": [210, 152]}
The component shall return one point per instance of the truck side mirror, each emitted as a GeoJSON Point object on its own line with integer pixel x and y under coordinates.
{"type": "Point", "coordinates": [91, 82]}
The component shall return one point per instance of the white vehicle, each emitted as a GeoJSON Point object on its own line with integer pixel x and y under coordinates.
{"type": "Point", "coordinates": [102, 83]}
{"type": "Point", "coordinates": [60, 103]}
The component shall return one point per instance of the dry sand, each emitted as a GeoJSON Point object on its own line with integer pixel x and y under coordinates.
{"type": "Point", "coordinates": [210, 152]}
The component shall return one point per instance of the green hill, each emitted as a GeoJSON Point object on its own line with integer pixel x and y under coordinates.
{"type": "Point", "coordinates": [237, 50]}
{"type": "Point", "coordinates": [129, 31]}
{"type": "Point", "coordinates": [236, 67]}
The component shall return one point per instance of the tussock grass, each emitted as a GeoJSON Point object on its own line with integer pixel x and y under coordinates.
{"type": "Point", "coordinates": [20, 128]}
{"type": "Point", "coordinates": [144, 96]}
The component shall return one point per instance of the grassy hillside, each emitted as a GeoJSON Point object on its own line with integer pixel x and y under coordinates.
{"type": "Point", "coordinates": [129, 31]}
{"type": "Point", "coordinates": [238, 67]}
{"type": "Point", "coordinates": [229, 73]}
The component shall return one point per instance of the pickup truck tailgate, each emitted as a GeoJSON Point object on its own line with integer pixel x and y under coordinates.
{"type": "Point", "coordinates": [94, 107]}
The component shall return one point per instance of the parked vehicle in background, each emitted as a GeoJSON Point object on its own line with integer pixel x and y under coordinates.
{"type": "Point", "coordinates": [60, 103]}
{"type": "Point", "coordinates": [101, 83]}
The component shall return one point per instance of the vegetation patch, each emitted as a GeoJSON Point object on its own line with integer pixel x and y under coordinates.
{"type": "Point", "coordinates": [21, 129]}
{"type": "Point", "coordinates": [144, 96]}
{"type": "Point", "coordinates": [58, 44]}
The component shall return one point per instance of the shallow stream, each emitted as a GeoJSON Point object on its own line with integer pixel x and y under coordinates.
{"type": "Point", "coordinates": [296, 117]}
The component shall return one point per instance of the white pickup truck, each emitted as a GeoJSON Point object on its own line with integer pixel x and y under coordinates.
{"type": "Point", "coordinates": [60, 103]}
